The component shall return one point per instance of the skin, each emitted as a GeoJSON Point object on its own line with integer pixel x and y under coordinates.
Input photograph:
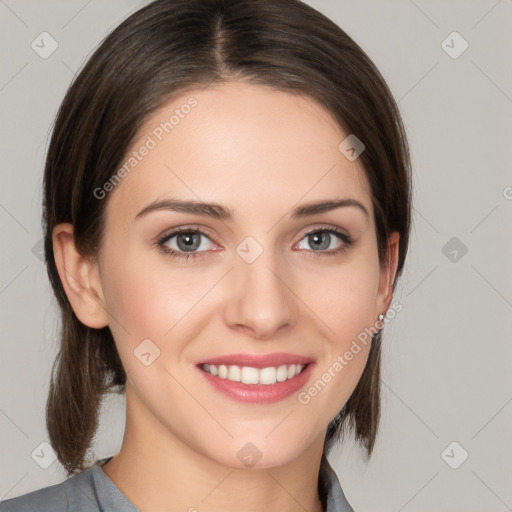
{"type": "Point", "coordinates": [260, 153]}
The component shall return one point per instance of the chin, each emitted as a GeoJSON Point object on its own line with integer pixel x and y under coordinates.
{"type": "Point", "coordinates": [262, 452]}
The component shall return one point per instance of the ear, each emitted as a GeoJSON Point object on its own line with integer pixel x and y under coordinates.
{"type": "Point", "coordinates": [80, 278]}
{"type": "Point", "coordinates": [387, 274]}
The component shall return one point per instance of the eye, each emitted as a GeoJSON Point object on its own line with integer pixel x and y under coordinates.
{"type": "Point", "coordinates": [185, 243]}
{"type": "Point", "coordinates": [325, 241]}
{"type": "Point", "coordinates": [190, 243]}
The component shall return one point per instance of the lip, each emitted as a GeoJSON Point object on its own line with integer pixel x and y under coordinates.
{"type": "Point", "coordinates": [257, 360]}
{"type": "Point", "coordinates": [258, 393]}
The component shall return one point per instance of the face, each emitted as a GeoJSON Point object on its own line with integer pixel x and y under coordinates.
{"type": "Point", "coordinates": [241, 246]}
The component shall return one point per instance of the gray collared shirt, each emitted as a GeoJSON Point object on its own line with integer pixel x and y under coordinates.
{"type": "Point", "coordinates": [93, 491]}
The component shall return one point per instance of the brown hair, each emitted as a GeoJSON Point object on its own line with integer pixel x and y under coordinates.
{"type": "Point", "coordinates": [164, 49]}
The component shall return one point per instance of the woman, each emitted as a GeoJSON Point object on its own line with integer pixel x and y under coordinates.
{"type": "Point", "coordinates": [226, 210]}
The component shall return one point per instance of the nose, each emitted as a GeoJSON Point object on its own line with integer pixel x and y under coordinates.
{"type": "Point", "coordinates": [260, 302]}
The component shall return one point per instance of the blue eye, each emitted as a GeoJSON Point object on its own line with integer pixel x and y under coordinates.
{"type": "Point", "coordinates": [326, 241]}
{"type": "Point", "coordinates": [190, 243]}
{"type": "Point", "coordinates": [185, 243]}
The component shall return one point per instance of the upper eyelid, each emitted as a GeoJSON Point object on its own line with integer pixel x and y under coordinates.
{"type": "Point", "coordinates": [167, 234]}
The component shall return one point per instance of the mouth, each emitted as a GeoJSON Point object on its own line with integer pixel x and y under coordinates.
{"type": "Point", "coordinates": [257, 379]}
{"type": "Point", "coordinates": [250, 375]}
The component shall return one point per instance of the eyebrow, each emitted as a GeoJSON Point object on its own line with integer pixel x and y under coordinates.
{"type": "Point", "coordinates": [219, 212]}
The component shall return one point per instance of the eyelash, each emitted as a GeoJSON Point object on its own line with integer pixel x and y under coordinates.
{"type": "Point", "coordinates": [346, 239]}
{"type": "Point", "coordinates": [177, 254]}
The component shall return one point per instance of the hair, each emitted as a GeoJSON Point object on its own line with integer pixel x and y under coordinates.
{"type": "Point", "coordinates": [165, 49]}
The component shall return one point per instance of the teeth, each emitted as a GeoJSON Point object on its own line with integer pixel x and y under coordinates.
{"type": "Point", "coordinates": [234, 374]}
{"type": "Point", "coordinates": [249, 375]}
{"type": "Point", "coordinates": [267, 376]}
{"type": "Point", "coordinates": [282, 373]}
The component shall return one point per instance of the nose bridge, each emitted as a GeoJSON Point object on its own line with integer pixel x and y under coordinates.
{"type": "Point", "coordinates": [260, 300]}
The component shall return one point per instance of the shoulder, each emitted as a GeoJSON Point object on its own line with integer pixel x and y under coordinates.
{"type": "Point", "coordinates": [75, 493]}
{"type": "Point", "coordinates": [46, 499]}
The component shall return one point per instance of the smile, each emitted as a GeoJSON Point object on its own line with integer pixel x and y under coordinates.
{"type": "Point", "coordinates": [256, 378]}
{"type": "Point", "coordinates": [250, 375]}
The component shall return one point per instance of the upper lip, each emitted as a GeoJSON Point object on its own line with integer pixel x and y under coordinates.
{"type": "Point", "coordinates": [257, 360]}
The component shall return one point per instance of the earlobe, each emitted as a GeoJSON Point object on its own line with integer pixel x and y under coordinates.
{"type": "Point", "coordinates": [79, 277]}
{"type": "Point", "coordinates": [388, 273]}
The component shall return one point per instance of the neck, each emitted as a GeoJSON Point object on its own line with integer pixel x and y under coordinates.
{"type": "Point", "coordinates": [156, 471]}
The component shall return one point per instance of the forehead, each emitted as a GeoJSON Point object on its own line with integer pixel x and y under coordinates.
{"type": "Point", "coordinates": [239, 144]}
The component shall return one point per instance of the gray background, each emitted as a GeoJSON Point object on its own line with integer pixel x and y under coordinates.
{"type": "Point", "coordinates": [447, 354]}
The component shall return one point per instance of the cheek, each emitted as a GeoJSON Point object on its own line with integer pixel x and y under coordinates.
{"type": "Point", "coordinates": [149, 308]}
{"type": "Point", "coordinates": [344, 297]}
{"type": "Point", "coordinates": [145, 298]}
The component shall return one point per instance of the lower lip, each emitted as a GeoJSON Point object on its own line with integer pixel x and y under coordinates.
{"type": "Point", "coordinates": [259, 393]}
